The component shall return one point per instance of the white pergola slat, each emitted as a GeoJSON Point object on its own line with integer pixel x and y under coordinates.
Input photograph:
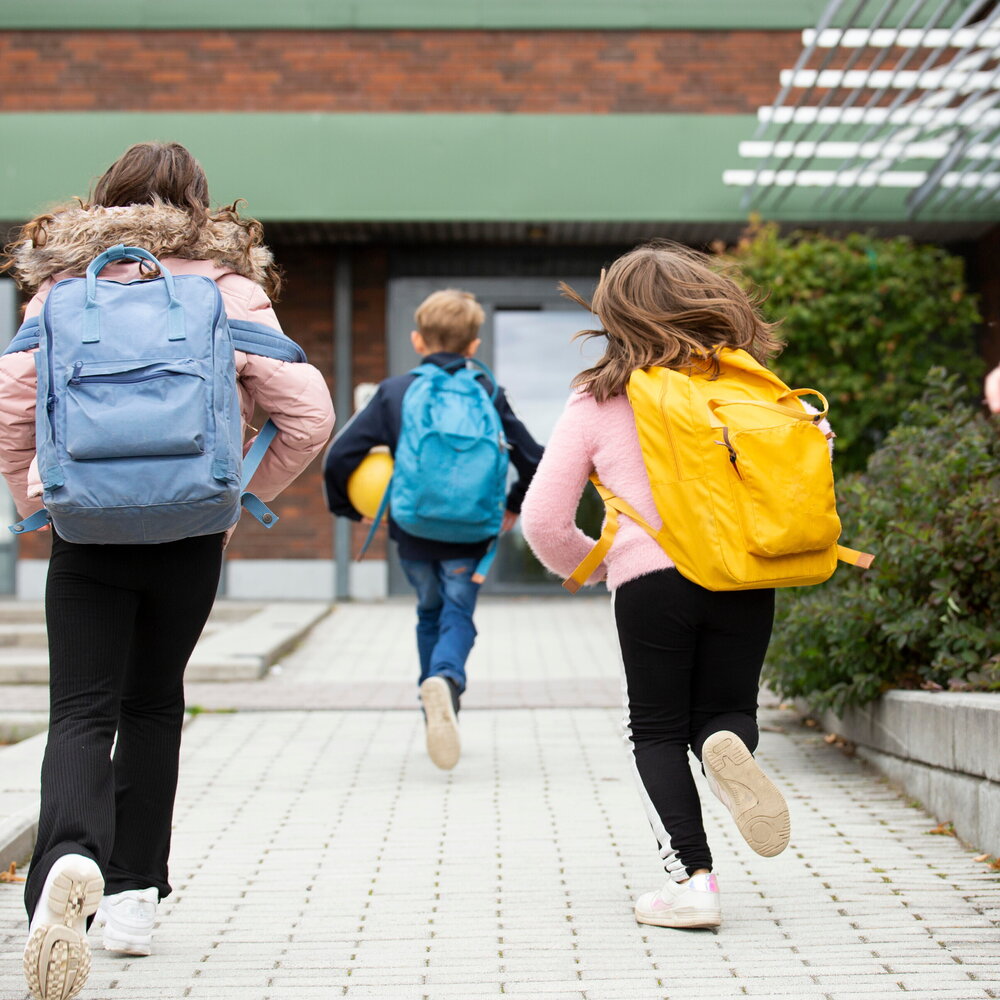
{"type": "Point", "coordinates": [858, 178]}
{"type": "Point", "coordinates": [887, 38]}
{"type": "Point", "coordinates": [960, 82]}
{"type": "Point", "coordinates": [869, 106]}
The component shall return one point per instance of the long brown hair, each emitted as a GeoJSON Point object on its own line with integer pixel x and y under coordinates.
{"type": "Point", "coordinates": [668, 305]}
{"type": "Point", "coordinates": [165, 172]}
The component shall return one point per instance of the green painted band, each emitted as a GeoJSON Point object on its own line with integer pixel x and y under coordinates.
{"type": "Point", "coordinates": [729, 15]}
{"type": "Point", "coordinates": [422, 167]}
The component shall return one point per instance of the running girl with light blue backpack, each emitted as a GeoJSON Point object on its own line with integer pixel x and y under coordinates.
{"type": "Point", "coordinates": [452, 434]}
{"type": "Point", "coordinates": [148, 343]}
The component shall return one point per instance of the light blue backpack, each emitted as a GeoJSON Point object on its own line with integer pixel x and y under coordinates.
{"type": "Point", "coordinates": [138, 428]}
{"type": "Point", "coordinates": [449, 480]}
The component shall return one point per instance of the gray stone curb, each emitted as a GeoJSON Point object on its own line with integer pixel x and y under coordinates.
{"type": "Point", "coordinates": [941, 748]}
{"type": "Point", "coordinates": [20, 766]}
{"type": "Point", "coordinates": [17, 837]}
{"type": "Point", "coordinates": [245, 649]}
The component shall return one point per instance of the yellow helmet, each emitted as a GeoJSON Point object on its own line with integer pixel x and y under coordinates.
{"type": "Point", "coordinates": [369, 481]}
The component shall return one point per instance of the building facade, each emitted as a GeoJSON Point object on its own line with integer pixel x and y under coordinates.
{"type": "Point", "coordinates": [392, 148]}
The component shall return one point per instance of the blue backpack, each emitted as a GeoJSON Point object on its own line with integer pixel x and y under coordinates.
{"type": "Point", "coordinates": [449, 480]}
{"type": "Point", "coordinates": [137, 428]}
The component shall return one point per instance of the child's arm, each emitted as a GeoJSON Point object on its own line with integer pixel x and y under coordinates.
{"type": "Point", "coordinates": [548, 517]}
{"type": "Point", "coordinates": [525, 454]}
{"type": "Point", "coordinates": [367, 429]}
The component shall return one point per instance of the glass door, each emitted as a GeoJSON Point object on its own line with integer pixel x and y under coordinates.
{"type": "Point", "coordinates": [527, 342]}
{"type": "Point", "coordinates": [536, 358]}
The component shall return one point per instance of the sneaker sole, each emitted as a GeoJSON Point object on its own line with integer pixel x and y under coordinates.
{"type": "Point", "coordinates": [679, 918]}
{"type": "Point", "coordinates": [757, 806]}
{"type": "Point", "coordinates": [444, 745]}
{"type": "Point", "coordinates": [57, 956]}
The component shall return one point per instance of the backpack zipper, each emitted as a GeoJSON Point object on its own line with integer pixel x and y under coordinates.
{"type": "Point", "coordinates": [78, 379]}
{"type": "Point", "coordinates": [733, 457]}
{"type": "Point", "coordinates": [670, 437]}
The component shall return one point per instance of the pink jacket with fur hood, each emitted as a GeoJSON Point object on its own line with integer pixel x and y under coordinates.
{"type": "Point", "coordinates": [293, 395]}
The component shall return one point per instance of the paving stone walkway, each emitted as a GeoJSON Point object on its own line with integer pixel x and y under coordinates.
{"type": "Point", "coordinates": [318, 853]}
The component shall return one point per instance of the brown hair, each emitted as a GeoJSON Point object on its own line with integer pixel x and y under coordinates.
{"type": "Point", "coordinates": [151, 172]}
{"type": "Point", "coordinates": [449, 320]}
{"type": "Point", "coordinates": [668, 305]}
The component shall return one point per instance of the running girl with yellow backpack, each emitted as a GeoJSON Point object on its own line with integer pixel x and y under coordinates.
{"type": "Point", "coordinates": [723, 476]}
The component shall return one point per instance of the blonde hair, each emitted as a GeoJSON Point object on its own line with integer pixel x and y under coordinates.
{"type": "Point", "coordinates": [668, 305]}
{"type": "Point", "coordinates": [449, 320]}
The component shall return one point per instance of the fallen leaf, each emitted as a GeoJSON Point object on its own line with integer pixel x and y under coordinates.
{"type": "Point", "coordinates": [943, 830]}
{"type": "Point", "coordinates": [830, 738]}
{"type": "Point", "coordinates": [981, 857]}
{"type": "Point", "coordinates": [11, 874]}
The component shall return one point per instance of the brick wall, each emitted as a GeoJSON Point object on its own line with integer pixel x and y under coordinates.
{"type": "Point", "coordinates": [306, 314]}
{"type": "Point", "coordinates": [406, 71]}
{"type": "Point", "coordinates": [370, 274]}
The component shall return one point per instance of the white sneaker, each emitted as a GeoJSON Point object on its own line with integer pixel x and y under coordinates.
{"type": "Point", "coordinates": [747, 792]}
{"type": "Point", "coordinates": [444, 745]}
{"type": "Point", "coordinates": [57, 956]}
{"type": "Point", "coordinates": [694, 903]}
{"type": "Point", "coordinates": [127, 918]}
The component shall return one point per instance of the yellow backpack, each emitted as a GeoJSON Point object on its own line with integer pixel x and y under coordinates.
{"type": "Point", "coordinates": [741, 476]}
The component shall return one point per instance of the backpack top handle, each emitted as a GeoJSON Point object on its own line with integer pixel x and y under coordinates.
{"type": "Point", "coordinates": [91, 316]}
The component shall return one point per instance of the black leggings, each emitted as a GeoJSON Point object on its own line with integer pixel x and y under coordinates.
{"type": "Point", "coordinates": [122, 622]}
{"type": "Point", "coordinates": [692, 662]}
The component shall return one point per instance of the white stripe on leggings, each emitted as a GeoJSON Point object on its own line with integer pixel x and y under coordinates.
{"type": "Point", "coordinates": [671, 861]}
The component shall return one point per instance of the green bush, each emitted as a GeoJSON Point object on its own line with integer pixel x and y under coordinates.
{"type": "Point", "coordinates": [927, 614]}
{"type": "Point", "coordinates": [864, 319]}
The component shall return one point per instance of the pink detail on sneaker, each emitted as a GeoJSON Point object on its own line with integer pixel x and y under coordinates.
{"type": "Point", "coordinates": [659, 903]}
{"type": "Point", "coordinates": [711, 883]}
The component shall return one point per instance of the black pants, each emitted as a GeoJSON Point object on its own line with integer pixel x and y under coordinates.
{"type": "Point", "coordinates": [692, 662]}
{"type": "Point", "coordinates": [122, 622]}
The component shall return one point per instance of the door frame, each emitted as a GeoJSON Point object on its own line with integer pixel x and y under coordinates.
{"type": "Point", "coordinates": [493, 294]}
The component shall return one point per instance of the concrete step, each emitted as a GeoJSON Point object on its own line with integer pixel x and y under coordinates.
{"type": "Point", "coordinates": [239, 643]}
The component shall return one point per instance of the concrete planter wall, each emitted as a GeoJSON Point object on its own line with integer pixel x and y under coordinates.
{"type": "Point", "coordinates": [942, 748]}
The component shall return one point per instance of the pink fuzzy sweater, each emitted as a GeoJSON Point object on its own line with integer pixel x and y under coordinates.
{"type": "Point", "coordinates": [602, 437]}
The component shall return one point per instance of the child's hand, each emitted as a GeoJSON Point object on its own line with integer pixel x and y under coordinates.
{"type": "Point", "coordinates": [509, 520]}
{"type": "Point", "coordinates": [992, 389]}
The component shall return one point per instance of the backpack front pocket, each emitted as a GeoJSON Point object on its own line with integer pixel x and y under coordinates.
{"type": "Point", "coordinates": [783, 489]}
{"type": "Point", "coordinates": [135, 409]}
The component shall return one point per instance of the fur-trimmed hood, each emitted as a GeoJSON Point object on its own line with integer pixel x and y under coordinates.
{"type": "Point", "coordinates": [77, 234]}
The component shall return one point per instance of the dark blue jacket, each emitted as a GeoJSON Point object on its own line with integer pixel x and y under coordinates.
{"type": "Point", "coordinates": [379, 424]}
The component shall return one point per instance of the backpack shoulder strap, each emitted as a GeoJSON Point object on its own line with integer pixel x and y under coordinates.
{"type": "Point", "coordinates": [613, 505]}
{"type": "Point", "coordinates": [26, 338]}
{"type": "Point", "coordinates": [253, 338]}
{"type": "Point", "coordinates": [489, 374]}
{"type": "Point", "coordinates": [257, 338]}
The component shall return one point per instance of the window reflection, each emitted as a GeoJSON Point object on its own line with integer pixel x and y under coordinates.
{"type": "Point", "coordinates": [535, 359]}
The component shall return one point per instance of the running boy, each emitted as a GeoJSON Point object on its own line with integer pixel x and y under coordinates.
{"type": "Point", "coordinates": [443, 573]}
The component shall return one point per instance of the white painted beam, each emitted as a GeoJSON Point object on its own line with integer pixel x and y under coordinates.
{"type": "Point", "coordinates": [856, 178]}
{"type": "Point", "coordinates": [908, 38]}
{"type": "Point", "coordinates": [755, 149]}
{"type": "Point", "coordinates": [931, 79]}
{"type": "Point", "coordinates": [929, 117]}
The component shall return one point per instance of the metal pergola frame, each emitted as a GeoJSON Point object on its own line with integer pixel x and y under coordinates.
{"type": "Point", "coordinates": [905, 97]}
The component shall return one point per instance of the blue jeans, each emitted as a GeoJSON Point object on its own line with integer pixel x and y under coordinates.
{"type": "Point", "coordinates": [446, 601]}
